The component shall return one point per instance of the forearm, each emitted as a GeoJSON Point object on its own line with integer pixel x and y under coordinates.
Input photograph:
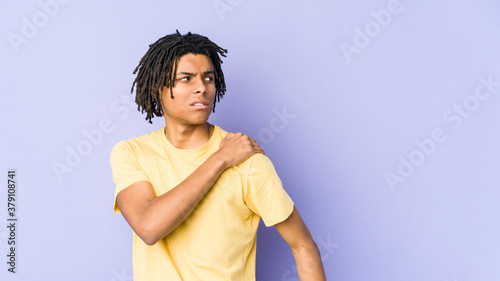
{"type": "Point", "coordinates": [309, 264]}
{"type": "Point", "coordinates": [153, 217]}
{"type": "Point", "coordinates": [164, 213]}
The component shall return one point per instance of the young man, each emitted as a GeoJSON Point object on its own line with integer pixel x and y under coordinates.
{"type": "Point", "coordinates": [193, 193]}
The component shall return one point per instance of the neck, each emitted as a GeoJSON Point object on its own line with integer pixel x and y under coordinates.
{"type": "Point", "coordinates": [188, 137]}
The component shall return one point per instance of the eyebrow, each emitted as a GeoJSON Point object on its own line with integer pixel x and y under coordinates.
{"type": "Point", "coordinates": [193, 74]}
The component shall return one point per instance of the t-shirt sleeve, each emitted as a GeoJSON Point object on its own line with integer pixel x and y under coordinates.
{"type": "Point", "coordinates": [266, 196]}
{"type": "Point", "coordinates": [126, 169]}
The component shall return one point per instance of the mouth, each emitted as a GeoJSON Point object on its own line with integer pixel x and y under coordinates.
{"type": "Point", "coordinates": [200, 104]}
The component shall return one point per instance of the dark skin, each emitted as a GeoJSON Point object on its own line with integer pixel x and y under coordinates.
{"type": "Point", "coordinates": [154, 217]}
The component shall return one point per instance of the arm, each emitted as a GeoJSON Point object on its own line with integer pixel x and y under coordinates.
{"type": "Point", "coordinates": [152, 218]}
{"type": "Point", "coordinates": [305, 251]}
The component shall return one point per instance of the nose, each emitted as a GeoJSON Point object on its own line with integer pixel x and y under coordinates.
{"type": "Point", "coordinates": [200, 87]}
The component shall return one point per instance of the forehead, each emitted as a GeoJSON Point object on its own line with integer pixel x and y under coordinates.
{"type": "Point", "coordinates": [194, 61]}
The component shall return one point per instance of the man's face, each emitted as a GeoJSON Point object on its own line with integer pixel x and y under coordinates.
{"type": "Point", "coordinates": [193, 91]}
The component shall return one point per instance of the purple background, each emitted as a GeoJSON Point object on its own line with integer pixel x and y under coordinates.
{"type": "Point", "coordinates": [342, 95]}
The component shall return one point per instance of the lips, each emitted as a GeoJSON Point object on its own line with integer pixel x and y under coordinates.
{"type": "Point", "coordinates": [200, 104]}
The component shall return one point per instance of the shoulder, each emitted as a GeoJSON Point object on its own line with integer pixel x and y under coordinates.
{"type": "Point", "coordinates": [261, 161]}
{"type": "Point", "coordinates": [219, 132]}
{"type": "Point", "coordinates": [258, 164]}
{"type": "Point", "coordinates": [138, 143]}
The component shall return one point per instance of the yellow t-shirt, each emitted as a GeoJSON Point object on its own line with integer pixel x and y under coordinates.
{"type": "Point", "coordinates": [217, 241]}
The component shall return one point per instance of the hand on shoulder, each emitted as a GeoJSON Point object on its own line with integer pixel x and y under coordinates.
{"type": "Point", "coordinates": [237, 147]}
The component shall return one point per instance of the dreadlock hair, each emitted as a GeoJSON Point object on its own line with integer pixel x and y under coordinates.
{"type": "Point", "coordinates": [158, 66]}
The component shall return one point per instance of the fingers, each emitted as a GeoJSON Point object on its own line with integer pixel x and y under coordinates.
{"type": "Point", "coordinates": [242, 138]}
{"type": "Point", "coordinates": [231, 135]}
{"type": "Point", "coordinates": [237, 147]}
{"type": "Point", "coordinates": [256, 147]}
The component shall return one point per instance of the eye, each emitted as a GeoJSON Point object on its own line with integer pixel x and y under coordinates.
{"type": "Point", "coordinates": [187, 78]}
{"type": "Point", "coordinates": [209, 79]}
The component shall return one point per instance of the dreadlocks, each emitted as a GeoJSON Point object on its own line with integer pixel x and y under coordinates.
{"type": "Point", "coordinates": [158, 66]}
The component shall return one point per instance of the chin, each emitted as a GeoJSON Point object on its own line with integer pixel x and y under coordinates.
{"type": "Point", "coordinates": [198, 122]}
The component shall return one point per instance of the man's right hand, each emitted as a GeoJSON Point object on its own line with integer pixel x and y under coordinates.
{"type": "Point", "coordinates": [236, 148]}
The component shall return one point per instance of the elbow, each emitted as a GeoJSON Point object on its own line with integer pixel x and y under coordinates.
{"type": "Point", "coordinates": [148, 234]}
{"type": "Point", "coordinates": [316, 248]}
{"type": "Point", "coordinates": [309, 247]}
{"type": "Point", "coordinates": [148, 239]}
